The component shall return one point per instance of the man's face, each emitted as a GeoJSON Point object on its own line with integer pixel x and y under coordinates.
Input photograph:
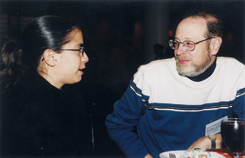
{"type": "Point", "coordinates": [192, 63]}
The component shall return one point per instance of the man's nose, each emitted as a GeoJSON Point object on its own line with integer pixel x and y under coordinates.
{"type": "Point", "coordinates": [181, 49]}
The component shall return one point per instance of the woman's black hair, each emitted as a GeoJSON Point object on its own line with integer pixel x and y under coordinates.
{"type": "Point", "coordinates": [45, 32]}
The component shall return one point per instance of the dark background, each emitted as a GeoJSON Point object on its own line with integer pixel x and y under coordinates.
{"type": "Point", "coordinates": [119, 37]}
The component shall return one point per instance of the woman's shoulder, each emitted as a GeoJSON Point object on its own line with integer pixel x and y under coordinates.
{"type": "Point", "coordinates": [26, 91]}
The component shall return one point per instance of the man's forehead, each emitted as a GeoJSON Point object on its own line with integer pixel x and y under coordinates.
{"type": "Point", "coordinates": [191, 28]}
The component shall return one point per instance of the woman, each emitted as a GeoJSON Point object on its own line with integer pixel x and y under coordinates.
{"type": "Point", "coordinates": [39, 119]}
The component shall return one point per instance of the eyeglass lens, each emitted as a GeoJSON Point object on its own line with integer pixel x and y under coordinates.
{"type": "Point", "coordinates": [188, 45]}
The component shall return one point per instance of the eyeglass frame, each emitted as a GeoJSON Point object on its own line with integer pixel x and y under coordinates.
{"type": "Point", "coordinates": [81, 50]}
{"type": "Point", "coordinates": [179, 42]}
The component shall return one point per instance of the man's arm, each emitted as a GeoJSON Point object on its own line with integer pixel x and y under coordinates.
{"type": "Point", "coordinates": [239, 103]}
{"type": "Point", "coordinates": [205, 143]}
{"type": "Point", "coordinates": [121, 124]}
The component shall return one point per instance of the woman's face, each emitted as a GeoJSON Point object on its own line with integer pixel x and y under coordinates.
{"type": "Point", "coordinates": [70, 64]}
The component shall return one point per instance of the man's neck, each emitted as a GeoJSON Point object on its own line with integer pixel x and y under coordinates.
{"type": "Point", "coordinates": [205, 74]}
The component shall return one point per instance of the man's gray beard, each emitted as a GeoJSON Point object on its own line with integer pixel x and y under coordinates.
{"type": "Point", "coordinates": [193, 70]}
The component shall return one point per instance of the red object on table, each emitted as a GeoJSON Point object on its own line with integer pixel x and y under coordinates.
{"type": "Point", "coordinates": [225, 152]}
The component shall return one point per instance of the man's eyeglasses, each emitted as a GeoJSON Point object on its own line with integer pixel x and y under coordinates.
{"type": "Point", "coordinates": [81, 50]}
{"type": "Point", "coordinates": [188, 45]}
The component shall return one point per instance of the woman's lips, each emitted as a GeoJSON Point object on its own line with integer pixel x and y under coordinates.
{"type": "Point", "coordinates": [81, 71]}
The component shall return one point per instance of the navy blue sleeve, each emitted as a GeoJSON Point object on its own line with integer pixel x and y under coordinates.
{"type": "Point", "coordinates": [122, 122]}
{"type": "Point", "coordinates": [239, 103]}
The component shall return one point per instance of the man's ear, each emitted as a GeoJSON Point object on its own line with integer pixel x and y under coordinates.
{"type": "Point", "coordinates": [50, 57]}
{"type": "Point", "coordinates": [215, 45]}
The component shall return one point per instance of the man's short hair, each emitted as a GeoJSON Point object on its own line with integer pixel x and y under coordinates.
{"type": "Point", "coordinates": [214, 22]}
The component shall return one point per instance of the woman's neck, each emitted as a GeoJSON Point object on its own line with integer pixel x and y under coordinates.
{"type": "Point", "coordinates": [50, 79]}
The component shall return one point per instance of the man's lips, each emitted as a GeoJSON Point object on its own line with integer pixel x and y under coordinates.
{"type": "Point", "coordinates": [183, 61]}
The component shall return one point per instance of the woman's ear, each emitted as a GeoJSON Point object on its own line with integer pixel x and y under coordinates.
{"type": "Point", "coordinates": [215, 45]}
{"type": "Point", "coordinates": [49, 57]}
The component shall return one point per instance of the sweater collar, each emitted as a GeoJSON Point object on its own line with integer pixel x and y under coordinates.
{"type": "Point", "coordinates": [205, 74]}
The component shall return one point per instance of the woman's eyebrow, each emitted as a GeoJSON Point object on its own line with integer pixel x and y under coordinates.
{"type": "Point", "coordinates": [80, 45]}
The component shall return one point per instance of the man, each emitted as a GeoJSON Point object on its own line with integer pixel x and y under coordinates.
{"type": "Point", "coordinates": [179, 103]}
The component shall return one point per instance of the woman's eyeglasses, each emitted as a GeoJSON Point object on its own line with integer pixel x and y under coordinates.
{"type": "Point", "coordinates": [81, 50]}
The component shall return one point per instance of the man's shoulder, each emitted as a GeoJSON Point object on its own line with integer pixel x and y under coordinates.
{"type": "Point", "coordinates": [230, 66]}
{"type": "Point", "coordinates": [155, 70]}
{"type": "Point", "coordinates": [229, 61]}
{"type": "Point", "coordinates": [154, 65]}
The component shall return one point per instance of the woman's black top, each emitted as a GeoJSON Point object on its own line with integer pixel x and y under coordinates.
{"type": "Point", "coordinates": [39, 120]}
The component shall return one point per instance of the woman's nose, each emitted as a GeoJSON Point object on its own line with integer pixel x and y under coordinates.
{"type": "Point", "coordinates": [85, 57]}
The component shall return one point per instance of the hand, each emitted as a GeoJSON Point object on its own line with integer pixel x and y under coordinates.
{"type": "Point", "coordinates": [148, 156]}
{"type": "Point", "coordinates": [205, 143]}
